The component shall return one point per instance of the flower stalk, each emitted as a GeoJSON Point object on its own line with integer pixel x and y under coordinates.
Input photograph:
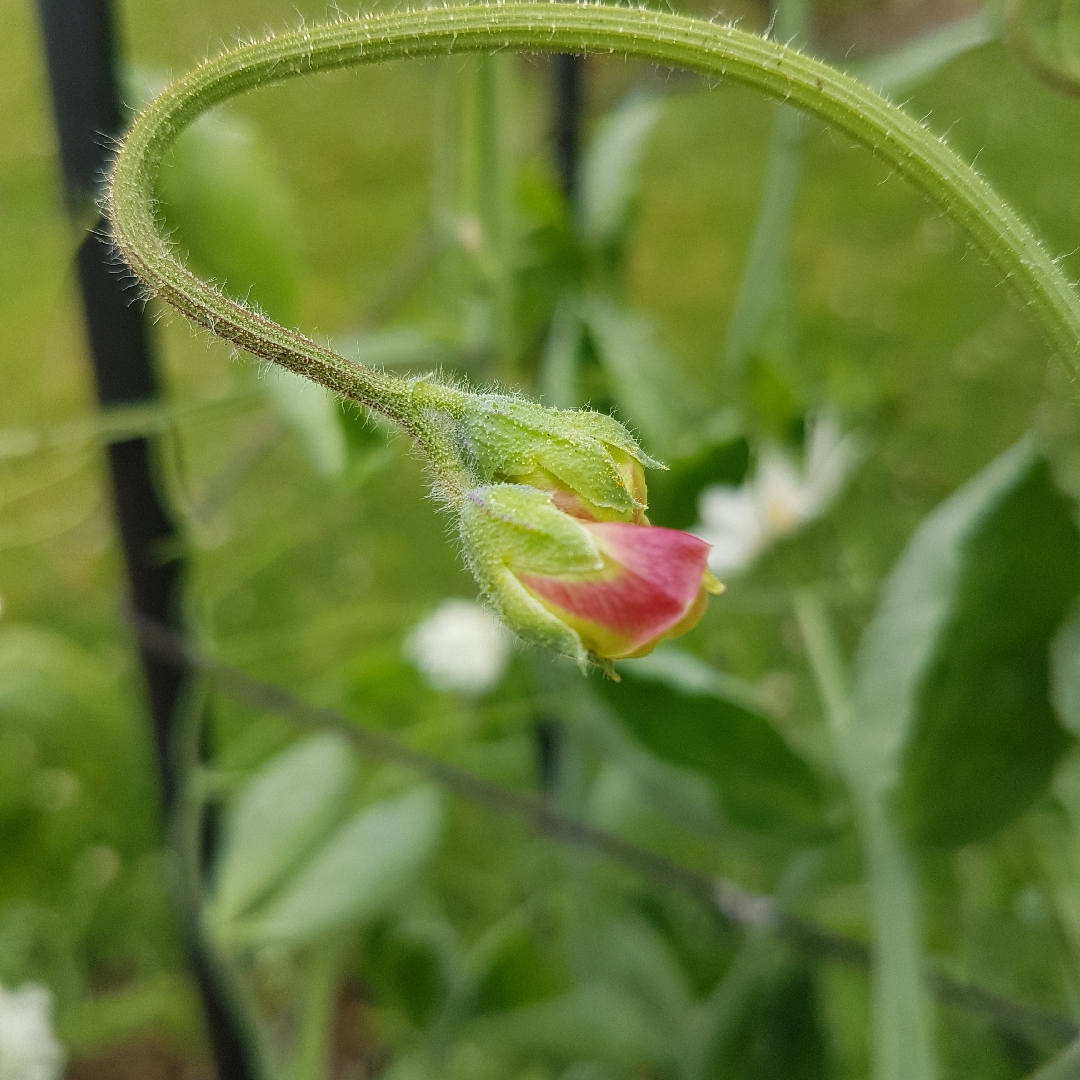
{"type": "Point", "coordinates": [715, 51]}
{"type": "Point", "coordinates": [580, 466]}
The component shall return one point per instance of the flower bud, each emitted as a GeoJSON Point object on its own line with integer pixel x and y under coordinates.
{"type": "Point", "coordinates": [587, 461]}
{"type": "Point", "coordinates": [595, 590]}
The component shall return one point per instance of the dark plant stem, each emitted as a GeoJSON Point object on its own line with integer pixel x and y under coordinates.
{"type": "Point", "coordinates": [549, 737]}
{"type": "Point", "coordinates": [79, 43]}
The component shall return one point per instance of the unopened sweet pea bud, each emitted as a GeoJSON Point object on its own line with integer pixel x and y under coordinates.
{"type": "Point", "coordinates": [587, 461]}
{"type": "Point", "coordinates": [594, 590]}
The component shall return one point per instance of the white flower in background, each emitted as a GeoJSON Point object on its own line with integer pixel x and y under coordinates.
{"type": "Point", "coordinates": [461, 646]}
{"type": "Point", "coordinates": [29, 1048]}
{"type": "Point", "coordinates": [778, 500]}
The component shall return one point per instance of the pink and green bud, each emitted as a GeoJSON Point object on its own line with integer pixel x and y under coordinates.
{"type": "Point", "coordinates": [587, 461]}
{"type": "Point", "coordinates": [595, 590]}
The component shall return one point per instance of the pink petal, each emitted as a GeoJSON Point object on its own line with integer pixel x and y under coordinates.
{"type": "Point", "coordinates": [651, 579]}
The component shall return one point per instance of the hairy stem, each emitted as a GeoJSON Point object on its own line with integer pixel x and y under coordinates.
{"type": "Point", "coordinates": [720, 52]}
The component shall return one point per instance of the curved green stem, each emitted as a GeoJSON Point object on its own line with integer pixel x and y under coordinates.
{"type": "Point", "coordinates": [716, 51]}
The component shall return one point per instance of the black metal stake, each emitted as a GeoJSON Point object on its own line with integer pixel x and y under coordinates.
{"type": "Point", "coordinates": [550, 736]}
{"type": "Point", "coordinates": [79, 44]}
{"type": "Point", "coordinates": [568, 71]}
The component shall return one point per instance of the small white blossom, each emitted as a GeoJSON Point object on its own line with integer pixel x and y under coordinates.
{"type": "Point", "coordinates": [461, 646]}
{"type": "Point", "coordinates": [29, 1048]}
{"type": "Point", "coordinates": [778, 500]}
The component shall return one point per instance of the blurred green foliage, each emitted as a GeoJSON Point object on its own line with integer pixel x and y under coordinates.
{"type": "Point", "coordinates": [410, 214]}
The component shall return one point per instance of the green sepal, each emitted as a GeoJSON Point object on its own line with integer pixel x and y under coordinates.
{"type": "Point", "coordinates": [509, 438]}
{"type": "Point", "coordinates": [519, 527]}
{"type": "Point", "coordinates": [509, 529]}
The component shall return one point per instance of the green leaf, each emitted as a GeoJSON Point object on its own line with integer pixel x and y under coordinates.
{"type": "Point", "coordinates": [404, 971]}
{"type": "Point", "coordinates": [363, 868]}
{"type": "Point", "coordinates": [673, 495]}
{"type": "Point", "coordinates": [287, 807]}
{"type": "Point", "coordinates": [688, 674]}
{"type": "Point", "coordinates": [610, 169]}
{"type": "Point", "coordinates": [643, 962]}
{"type": "Point", "coordinates": [595, 1021]}
{"type": "Point", "coordinates": [780, 1030]}
{"type": "Point", "coordinates": [521, 972]}
{"type": "Point", "coordinates": [968, 618]}
{"type": "Point", "coordinates": [762, 783]}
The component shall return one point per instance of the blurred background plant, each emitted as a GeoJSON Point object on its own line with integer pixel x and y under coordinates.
{"type": "Point", "coordinates": [854, 413]}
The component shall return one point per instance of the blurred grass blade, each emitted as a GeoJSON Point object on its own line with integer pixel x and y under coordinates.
{"type": "Point", "coordinates": [640, 959]}
{"type": "Point", "coordinates": [1065, 672]}
{"type": "Point", "coordinates": [365, 866]}
{"type": "Point", "coordinates": [1069, 35]}
{"type": "Point", "coordinates": [760, 294]}
{"type": "Point", "coordinates": [401, 347]}
{"type": "Point", "coordinates": [494, 103]}
{"type": "Point", "coordinates": [903, 1045]}
{"type": "Point", "coordinates": [290, 804]}
{"type": "Point", "coordinates": [766, 991]}
{"type": "Point", "coordinates": [559, 384]}
{"type": "Point", "coordinates": [610, 170]}
{"type": "Point", "coordinates": [163, 1006]}
{"type": "Point", "coordinates": [507, 966]}
{"type": "Point", "coordinates": [113, 423]}
{"type": "Point", "coordinates": [312, 412]}
{"type": "Point", "coordinates": [716, 1019]}
{"type": "Point", "coordinates": [473, 201]}
{"type": "Point", "coordinates": [321, 971]}
{"type": "Point", "coordinates": [649, 388]}
{"type": "Point", "coordinates": [903, 1035]}
{"type": "Point", "coordinates": [914, 61]}
{"type": "Point", "coordinates": [1052, 838]}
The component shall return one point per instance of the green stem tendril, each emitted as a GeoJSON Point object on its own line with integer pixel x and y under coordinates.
{"type": "Point", "coordinates": [720, 52]}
